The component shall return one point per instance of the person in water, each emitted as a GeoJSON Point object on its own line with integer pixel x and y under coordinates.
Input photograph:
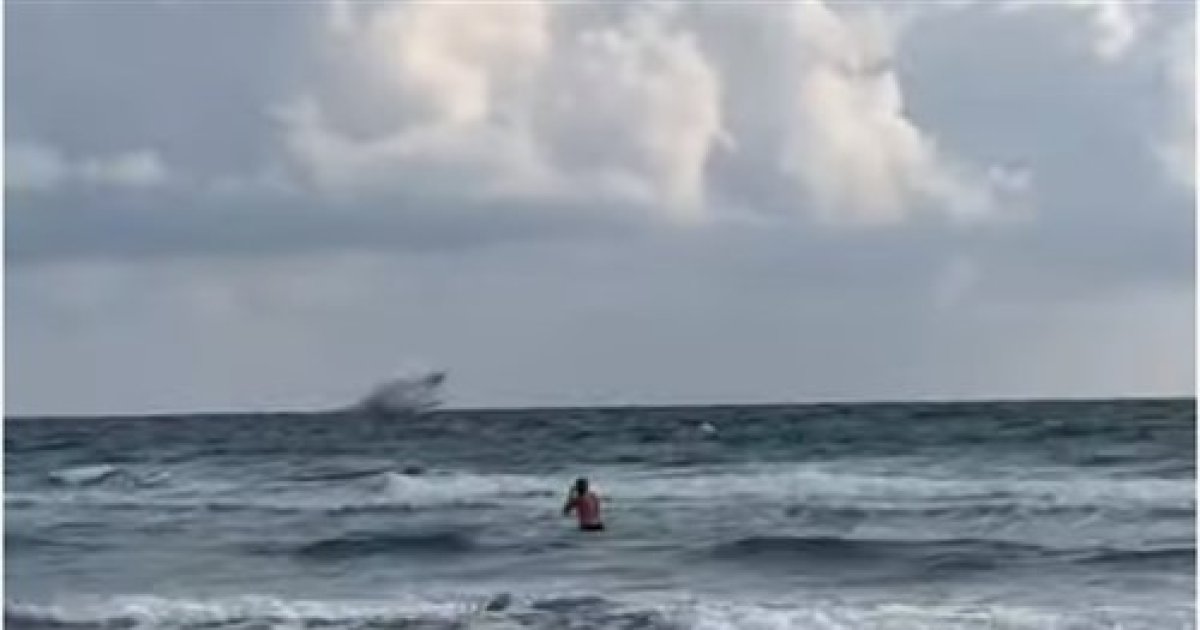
{"type": "Point", "coordinates": [586, 505]}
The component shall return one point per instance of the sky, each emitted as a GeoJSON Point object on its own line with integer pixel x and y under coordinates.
{"type": "Point", "coordinates": [275, 205]}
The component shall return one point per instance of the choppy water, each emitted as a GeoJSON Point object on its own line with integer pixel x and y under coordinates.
{"type": "Point", "coordinates": [997, 515]}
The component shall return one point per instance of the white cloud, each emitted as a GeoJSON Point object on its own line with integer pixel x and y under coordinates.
{"type": "Point", "coordinates": [1116, 25]}
{"type": "Point", "coordinates": [639, 100]}
{"type": "Point", "coordinates": [137, 169]}
{"type": "Point", "coordinates": [436, 84]}
{"type": "Point", "coordinates": [35, 166]}
{"type": "Point", "coordinates": [455, 60]}
{"type": "Point", "coordinates": [493, 94]}
{"type": "Point", "coordinates": [525, 101]}
{"type": "Point", "coordinates": [853, 149]}
{"type": "Point", "coordinates": [430, 159]}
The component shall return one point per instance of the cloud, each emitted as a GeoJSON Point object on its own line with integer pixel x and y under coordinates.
{"type": "Point", "coordinates": [424, 125]}
{"type": "Point", "coordinates": [454, 61]}
{"type": "Point", "coordinates": [1177, 149]}
{"type": "Point", "coordinates": [429, 84]}
{"type": "Point", "coordinates": [38, 167]}
{"type": "Point", "coordinates": [627, 111]}
{"type": "Point", "coordinates": [139, 169]}
{"type": "Point", "coordinates": [1119, 28]}
{"type": "Point", "coordinates": [639, 100]}
{"type": "Point", "coordinates": [852, 147]}
{"type": "Point", "coordinates": [565, 104]}
{"type": "Point", "coordinates": [1116, 25]}
{"type": "Point", "coordinates": [33, 167]}
{"type": "Point", "coordinates": [1112, 27]}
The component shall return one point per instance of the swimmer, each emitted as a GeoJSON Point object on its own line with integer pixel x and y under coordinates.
{"type": "Point", "coordinates": [586, 505]}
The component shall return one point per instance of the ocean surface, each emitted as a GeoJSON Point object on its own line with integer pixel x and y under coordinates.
{"type": "Point", "coordinates": [965, 515]}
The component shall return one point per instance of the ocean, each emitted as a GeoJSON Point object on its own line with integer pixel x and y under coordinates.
{"type": "Point", "coordinates": [1040, 515]}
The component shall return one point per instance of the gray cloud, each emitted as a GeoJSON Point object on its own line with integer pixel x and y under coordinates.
{"type": "Point", "coordinates": [78, 224]}
{"type": "Point", "coordinates": [188, 80]}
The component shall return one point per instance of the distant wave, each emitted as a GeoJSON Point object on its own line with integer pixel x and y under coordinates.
{"type": "Point", "coordinates": [18, 540]}
{"type": "Point", "coordinates": [117, 501]}
{"type": "Point", "coordinates": [52, 444]}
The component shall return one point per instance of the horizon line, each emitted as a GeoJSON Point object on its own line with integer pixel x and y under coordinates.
{"type": "Point", "coordinates": [623, 406]}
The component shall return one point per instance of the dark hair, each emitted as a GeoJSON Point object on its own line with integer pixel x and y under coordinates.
{"type": "Point", "coordinates": [581, 485]}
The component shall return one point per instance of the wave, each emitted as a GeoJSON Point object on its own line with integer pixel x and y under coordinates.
{"type": "Point", "coordinates": [917, 555]}
{"type": "Point", "coordinates": [547, 611]}
{"type": "Point", "coordinates": [817, 547]}
{"type": "Point", "coordinates": [123, 502]}
{"type": "Point", "coordinates": [100, 474]}
{"type": "Point", "coordinates": [812, 484]}
{"type": "Point", "coordinates": [18, 540]}
{"type": "Point", "coordinates": [441, 487]}
{"type": "Point", "coordinates": [932, 556]}
{"type": "Point", "coordinates": [1164, 558]}
{"type": "Point", "coordinates": [340, 475]}
{"type": "Point", "coordinates": [84, 475]}
{"type": "Point", "coordinates": [820, 514]}
{"type": "Point", "coordinates": [14, 447]}
{"type": "Point", "coordinates": [407, 490]}
{"type": "Point", "coordinates": [356, 545]}
{"type": "Point", "coordinates": [234, 612]}
{"type": "Point", "coordinates": [799, 491]}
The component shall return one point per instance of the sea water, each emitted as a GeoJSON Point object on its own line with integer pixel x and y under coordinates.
{"type": "Point", "coordinates": [963, 515]}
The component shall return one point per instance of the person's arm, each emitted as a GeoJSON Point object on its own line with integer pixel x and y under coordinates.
{"type": "Point", "coordinates": [572, 501]}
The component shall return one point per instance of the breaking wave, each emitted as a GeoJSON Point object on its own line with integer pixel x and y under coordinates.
{"type": "Point", "coordinates": [668, 612]}
{"type": "Point", "coordinates": [799, 492]}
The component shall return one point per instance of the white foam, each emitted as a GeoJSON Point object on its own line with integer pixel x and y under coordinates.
{"type": "Point", "coordinates": [783, 484]}
{"type": "Point", "coordinates": [82, 475]}
{"type": "Point", "coordinates": [384, 490]}
{"type": "Point", "coordinates": [101, 474]}
{"type": "Point", "coordinates": [835, 615]}
{"type": "Point", "coordinates": [814, 612]}
{"type": "Point", "coordinates": [156, 612]}
{"type": "Point", "coordinates": [435, 488]}
{"type": "Point", "coordinates": [798, 483]}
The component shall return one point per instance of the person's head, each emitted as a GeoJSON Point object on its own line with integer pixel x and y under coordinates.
{"type": "Point", "coordinates": [581, 485]}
